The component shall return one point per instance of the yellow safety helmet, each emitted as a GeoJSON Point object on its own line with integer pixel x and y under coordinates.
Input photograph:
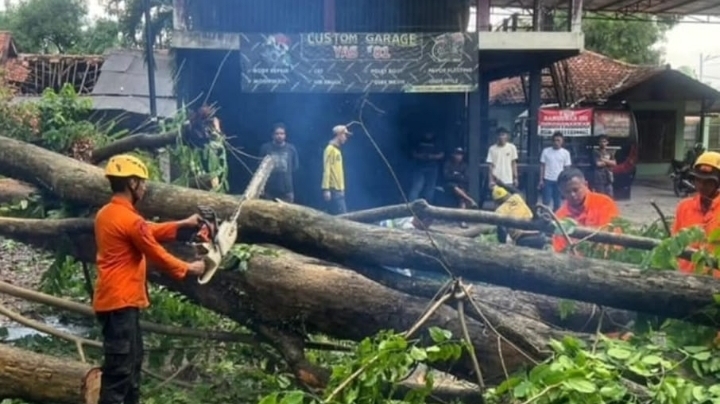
{"type": "Point", "coordinates": [124, 166]}
{"type": "Point", "coordinates": [707, 166]}
{"type": "Point", "coordinates": [499, 192]}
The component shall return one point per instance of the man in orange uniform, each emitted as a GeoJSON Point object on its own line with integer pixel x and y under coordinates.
{"type": "Point", "coordinates": [587, 208]}
{"type": "Point", "coordinates": [124, 239]}
{"type": "Point", "coordinates": [703, 208]}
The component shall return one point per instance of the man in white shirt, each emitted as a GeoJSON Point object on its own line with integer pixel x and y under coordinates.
{"type": "Point", "coordinates": [553, 160]}
{"type": "Point", "coordinates": [502, 158]}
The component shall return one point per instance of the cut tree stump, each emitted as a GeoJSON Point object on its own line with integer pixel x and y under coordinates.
{"type": "Point", "coordinates": [46, 379]}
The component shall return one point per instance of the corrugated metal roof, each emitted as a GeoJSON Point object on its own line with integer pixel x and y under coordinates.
{"type": "Point", "coordinates": [123, 83]}
{"type": "Point", "coordinates": [661, 7]}
{"type": "Point", "coordinates": [125, 73]}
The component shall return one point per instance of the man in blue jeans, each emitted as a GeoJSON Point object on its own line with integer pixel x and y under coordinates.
{"type": "Point", "coordinates": [553, 160]}
{"type": "Point", "coordinates": [427, 156]}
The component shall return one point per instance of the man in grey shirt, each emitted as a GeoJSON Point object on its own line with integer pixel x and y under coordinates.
{"type": "Point", "coordinates": [285, 158]}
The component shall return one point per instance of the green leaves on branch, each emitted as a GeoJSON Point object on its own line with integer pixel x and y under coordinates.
{"type": "Point", "coordinates": [377, 368]}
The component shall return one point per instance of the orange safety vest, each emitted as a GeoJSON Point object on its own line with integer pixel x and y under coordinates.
{"type": "Point", "coordinates": [124, 239]}
{"type": "Point", "coordinates": [689, 213]}
{"type": "Point", "coordinates": [598, 210]}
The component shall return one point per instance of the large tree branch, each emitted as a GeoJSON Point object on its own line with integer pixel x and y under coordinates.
{"type": "Point", "coordinates": [146, 141]}
{"type": "Point", "coordinates": [422, 209]}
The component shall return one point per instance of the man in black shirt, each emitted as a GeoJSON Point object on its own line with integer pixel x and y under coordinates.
{"type": "Point", "coordinates": [427, 156]}
{"type": "Point", "coordinates": [285, 158]}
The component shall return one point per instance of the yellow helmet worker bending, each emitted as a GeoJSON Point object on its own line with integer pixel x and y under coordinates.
{"type": "Point", "coordinates": [513, 205]}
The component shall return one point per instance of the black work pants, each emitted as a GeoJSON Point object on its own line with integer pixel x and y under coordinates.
{"type": "Point", "coordinates": [123, 349]}
{"type": "Point", "coordinates": [537, 241]}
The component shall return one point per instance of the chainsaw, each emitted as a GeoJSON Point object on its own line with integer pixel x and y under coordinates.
{"type": "Point", "coordinates": [214, 239]}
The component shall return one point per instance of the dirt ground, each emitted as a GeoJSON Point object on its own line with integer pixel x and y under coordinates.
{"type": "Point", "coordinates": [21, 266]}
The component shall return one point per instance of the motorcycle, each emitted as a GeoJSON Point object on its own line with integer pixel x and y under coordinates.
{"type": "Point", "coordinates": [681, 179]}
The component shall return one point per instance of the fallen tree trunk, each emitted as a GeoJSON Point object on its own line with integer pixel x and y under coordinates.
{"type": "Point", "coordinates": [570, 315]}
{"type": "Point", "coordinates": [46, 379]}
{"type": "Point", "coordinates": [612, 284]}
{"type": "Point", "coordinates": [283, 294]}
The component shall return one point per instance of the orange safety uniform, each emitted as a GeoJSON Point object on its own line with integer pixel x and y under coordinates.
{"type": "Point", "coordinates": [124, 239]}
{"type": "Point", "coordinates": [689, 213]}
{"type": "Point", "coordinates": [598, 210]}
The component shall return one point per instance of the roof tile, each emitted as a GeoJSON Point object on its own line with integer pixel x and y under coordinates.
{"type": "Point", "coordinates": [593, 77]}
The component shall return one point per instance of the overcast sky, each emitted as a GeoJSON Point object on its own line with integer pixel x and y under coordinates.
{"type": "Point", "coordinates": [687, 41]}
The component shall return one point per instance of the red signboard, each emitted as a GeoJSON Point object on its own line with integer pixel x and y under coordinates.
{"type": "Point", "coordinates": [569, 122]}
{"type": "Point", "coordinates": [612, 123]}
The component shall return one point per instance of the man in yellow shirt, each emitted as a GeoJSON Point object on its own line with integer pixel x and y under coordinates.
{"type": "Point", "coordinates": [513, 205]}
{"type": "Point", "coordinates": [333, 180]}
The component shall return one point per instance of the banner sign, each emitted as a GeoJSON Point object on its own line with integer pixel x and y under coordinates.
{"type": "Point", "coordinates": [612, 123]}
{"type": "Point", "coordinates": [569, 122]}
{"type": "Point", "coordinates": [330, 62]}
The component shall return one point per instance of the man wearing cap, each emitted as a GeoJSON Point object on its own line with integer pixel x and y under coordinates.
{"type": "Point", "coordinates": [703, 208]}
{"type": "Point", "coordinates": [513, 205]}
{"type": "Point", "coordinates": [333, 180]}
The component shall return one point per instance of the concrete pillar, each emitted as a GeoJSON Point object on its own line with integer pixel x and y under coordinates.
{"type": "Point", "coordinates": [482, 18]}
{"type": "Point", "coordinates": [577, 10]}
{"type": "Point", "coordinates": [329, 15]}
{"type": "Point", "coordinates": [533, 147]}
{"type": "Point", "coordinates": [179, 15]}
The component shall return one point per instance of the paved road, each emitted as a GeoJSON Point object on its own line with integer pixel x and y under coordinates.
{"type": "Point", "coordinates": [638, 208]}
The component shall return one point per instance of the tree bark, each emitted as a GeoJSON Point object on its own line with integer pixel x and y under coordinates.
{"type": "Point", "coordinates": [85, 184]}
{"type": "Point", "coordinates": [44, 379]}
{"type": "Point", "coordinates": [281, 295]}
{"type": "Point", "coordinates": [145, 141]}
{"type": "Point", "coordinates": [13, 191]}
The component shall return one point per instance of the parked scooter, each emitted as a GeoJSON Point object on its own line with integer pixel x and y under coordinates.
{"type": "Point", "coordinates": [681, 179]}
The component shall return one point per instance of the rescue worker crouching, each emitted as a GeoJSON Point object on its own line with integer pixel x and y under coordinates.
{"type": "Point", "coordinates": [124, 240]}
{"type": "Point", "coordinates": [703, 208]}
{"type": "Point", "coordinates": [513, 205]}
{"type": "Point", "coordinates": [587, 208]}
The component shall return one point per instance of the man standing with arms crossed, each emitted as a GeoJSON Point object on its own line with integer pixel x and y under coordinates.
{"type": "Point", "coordinates": [553, 160]}
{"type": "Point", "coordinates": [124, 240]}
{"type": "Point", "coordinates": [502, 158]}
{"type": "Point", "coordinates": [333, 180]}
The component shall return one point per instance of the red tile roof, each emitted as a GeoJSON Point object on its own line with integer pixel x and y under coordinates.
{"type": "Point", "coordinates": [14, 70]}
{"type": "Point", "coordinates": [593, 77]}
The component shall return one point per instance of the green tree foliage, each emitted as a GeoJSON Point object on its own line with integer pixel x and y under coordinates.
{"type": "Point", "coordinates": [632, 41]}
{"type": "Point", "coordinates": [57, 26]}
{"type": "Point", "coordinates": [132, 20]}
